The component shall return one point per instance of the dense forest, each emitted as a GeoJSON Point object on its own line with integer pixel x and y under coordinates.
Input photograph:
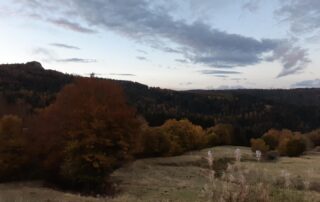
{"type": "Point", "coordinates": [24, 88]}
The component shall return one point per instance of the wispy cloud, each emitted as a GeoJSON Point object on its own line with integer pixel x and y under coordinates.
{"type": "Point", "coordinates": [51, 56]}
{"type": "Point", "coordinates": [62, 45]}
{"type": "Point", "coordinates": [181, 60]}
{"type": "Point", "coordinates": [220, 76]}
{"type": "Point", "coordinates": [238, 79]}
{"type": "Point", "coordinates": [251, 5]}
{"type": "Point", "coordinates": [219, 72]}
{"type": "Point", "coordinates": [71, 25]}
{"type": "Point", "coordinates": [185, 83]}
{"type": "Point", "coordinates": [76, 60]}
{"type": "Point", "coordinates": [293, 59]}
{"type": "Point", "coordinates": [231, 87]}
{"type": "Point", "coordinates": [307, 84]}
{"type": "Point", "coordinates": [122, 74]}
{"type": "Point", "coordinates": [302, 16]}
{"type": "Point", "coordinates": [46, 54]}
{"type": "Point", "coordinates": [42, 51]}
{"type": "Point", "coordinates": [141, 58]}
{"type": "Point", "coordinates": [142, 51]}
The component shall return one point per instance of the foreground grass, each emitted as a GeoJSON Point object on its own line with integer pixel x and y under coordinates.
{"type": "Point", "coordinates": [183, 178]}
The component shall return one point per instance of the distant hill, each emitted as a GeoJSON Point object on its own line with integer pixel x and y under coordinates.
{"type": "Point", "coordinates": [298, 96]}
{"type": "Point", "coordinates": [26, 87]}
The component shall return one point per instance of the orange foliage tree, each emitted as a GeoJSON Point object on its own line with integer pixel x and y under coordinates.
{"type": "Point", "coordinates": [286, 142]}
{"type": "Point", "coordinates": [87, 132]}
{"type": "Point", "coordinates": [259, 144]}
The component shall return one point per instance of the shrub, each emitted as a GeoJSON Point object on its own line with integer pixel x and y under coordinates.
{"type": "Point", "coordinates": [259, 144]}
{"type": "Point", "coordinates": [271, 155]}
{"type": "Point", "coordinates": [296, 146]}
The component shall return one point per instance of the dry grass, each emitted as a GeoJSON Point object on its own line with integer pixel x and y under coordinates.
{"type": "Point", "coordinates": [183, 178]}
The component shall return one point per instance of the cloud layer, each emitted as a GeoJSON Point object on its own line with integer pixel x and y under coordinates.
{"type": "Point", "coordinates": [146, 23]}
{"type": "Point", "coordinates": [307, 84]}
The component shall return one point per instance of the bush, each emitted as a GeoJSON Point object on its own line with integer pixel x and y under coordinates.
{"type": "Point", "coordinates": [259, 144]}
{"type": "Point", "coordinates": [296, 146]}
{"type": "Point", "coordinates": [271, 155]}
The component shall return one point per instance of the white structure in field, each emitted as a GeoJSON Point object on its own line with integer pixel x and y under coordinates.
{"type": "Point", "coordinates": [258, 155]}
{"type": "Point", "coordinates": [237, 154]}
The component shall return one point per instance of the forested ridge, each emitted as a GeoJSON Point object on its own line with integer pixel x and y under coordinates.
{"type": "Point", "coordinates": [73, 132]}
{"type": "Point", "coordinates": [24, 88]}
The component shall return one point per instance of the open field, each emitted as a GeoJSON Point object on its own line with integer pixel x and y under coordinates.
{"type": "Point", "coordinates": [183, 178]}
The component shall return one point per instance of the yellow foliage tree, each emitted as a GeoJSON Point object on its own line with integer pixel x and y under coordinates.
{"type": "Point", "coordinates": [13, 157]}
{"type": "Point", "coordinates": [183, 135]}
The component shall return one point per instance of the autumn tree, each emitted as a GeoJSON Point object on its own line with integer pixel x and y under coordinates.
{"type": "Point", "coordinates": [271, 138]}
{"type": "Point", "coordinates": [286, 142]}
{"type": "Point", "coordinates": [212, 137]}
{"type": "Point", "coordinates": [173, 138]}
{"type": "Point", "coordinates": [13, 157]}
{"type": "Point", "coordinates": [259, 144]}
{"type": "Point", "coordinates": [156, 142]}
{"type": "Point", "coordinates": [296, 146]}
{"type": "Point", "coordinates": [314, 136]}
{"type": "Point", "coordinates": [225, 133]}
{"type": "Point", "coordinates": [86, 133]}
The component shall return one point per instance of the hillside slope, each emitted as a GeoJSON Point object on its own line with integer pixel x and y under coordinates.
{"type": "Point", "coordinates": [26, 87]}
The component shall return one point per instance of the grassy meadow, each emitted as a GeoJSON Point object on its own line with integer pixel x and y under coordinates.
{"type": "Point", "coordinates": [187, 178]}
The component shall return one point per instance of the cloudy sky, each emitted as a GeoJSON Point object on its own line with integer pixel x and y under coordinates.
{"type": "Point", "coordinates": [177, 44]}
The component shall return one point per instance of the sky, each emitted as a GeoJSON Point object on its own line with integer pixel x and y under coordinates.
{"type": "Point", "coordinates": [175, 44]}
